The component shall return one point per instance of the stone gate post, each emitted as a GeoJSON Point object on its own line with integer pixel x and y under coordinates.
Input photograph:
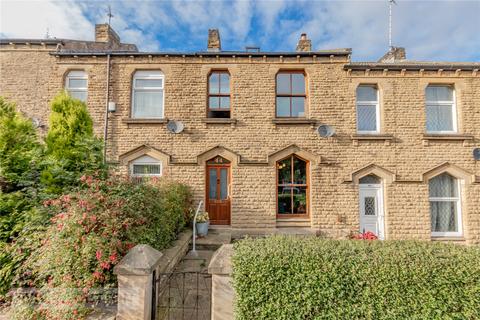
{"type": "Point", "coordinates": [135, 278]}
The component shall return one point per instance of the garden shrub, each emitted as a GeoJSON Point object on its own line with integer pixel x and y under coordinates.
{"type": "Point", "coordinates": [284, 277]}
{"type": "Point", "coordinates": [71, 146]}
{"type": "Point", "coordinates": [32, 171]}
{"type": "Point", "coordinates": [91, 229]}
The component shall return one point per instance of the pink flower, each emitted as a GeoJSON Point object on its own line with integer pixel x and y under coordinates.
{"type": "Point", "coordinates": [98, 254]}
{"type": "Point", "coordinates": [97, 275]}
{"type": "Point", "coordinates": [105, 265]}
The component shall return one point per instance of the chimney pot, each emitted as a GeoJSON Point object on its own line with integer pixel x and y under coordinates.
{"type": "Point", "coordinates": [304, 44]}
{"type": "Point", "coordinates": [214, 43]}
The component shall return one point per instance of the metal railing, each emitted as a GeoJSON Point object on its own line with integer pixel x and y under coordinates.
{"type": "Point", "coordinates": [194, 236]}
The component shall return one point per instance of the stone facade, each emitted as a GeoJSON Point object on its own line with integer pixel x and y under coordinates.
{"type": "Point", "coordinates": [402, 155]}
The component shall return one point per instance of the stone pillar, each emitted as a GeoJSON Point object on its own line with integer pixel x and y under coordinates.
{"type": "Point", "coordinates": [135, 277]}
{"type": "Point", "coordinates": [223, 295]}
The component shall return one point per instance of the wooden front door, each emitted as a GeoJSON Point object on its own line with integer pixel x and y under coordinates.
{"type": "Point", "coordinates": [218, 190]}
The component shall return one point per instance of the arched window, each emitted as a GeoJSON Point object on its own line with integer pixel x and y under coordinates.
{"type": "Point", "coordinates": [440, 108]}
{"type": "Point", "coordinates": [292, 186]}
{"type": "Point", "coordinates": [147, 94]}
{"type": "Point", "coordinates": [146, 166]}
{"type": "Point", "coordinates": [370, 179]}
{"type": "Point", "coordinates": [76, 84]}
{"type": "Point", "coordinates": [445, 205]}
{"type": "Point", "coordinates": [368, 109]}
{"type": "Point", "coordinates": [291, 94]}
{"type": "Point", "coordinates": [219, 94]}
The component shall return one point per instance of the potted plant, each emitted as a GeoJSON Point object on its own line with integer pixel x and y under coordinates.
{"type": "Point", "coordinates": [202, 223]}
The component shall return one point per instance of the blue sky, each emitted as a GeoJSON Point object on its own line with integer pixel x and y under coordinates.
{"type": "Point", "coordinates": [430, 30]}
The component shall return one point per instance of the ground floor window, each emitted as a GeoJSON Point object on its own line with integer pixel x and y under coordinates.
{"type": "Point", "coordinates": [145, 167]}
{"type": "Point", "coordinates": [292, 187]}
{"type": "Point", "coordinates": [445, 205]}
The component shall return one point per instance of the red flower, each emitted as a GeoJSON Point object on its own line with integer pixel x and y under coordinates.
{"type": "Point", "coordinates": [113, 257]}
{"type": "Point", "coordinates": [105, 265]}
{"type": "Point", "coordinates": [98, 254]}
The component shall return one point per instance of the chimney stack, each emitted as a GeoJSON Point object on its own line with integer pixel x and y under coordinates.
{"type": "Point", "coordinates": [304, 44]}
{"type": "Point", "coordinates": [214, 44]}
{"type": "Point", "coordinates": [395, 54]}
{"type": "Point", "coordinates": [104, 33]}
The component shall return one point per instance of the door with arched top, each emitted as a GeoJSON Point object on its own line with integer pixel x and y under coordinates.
{"type": "Point", "coordinates": [218, 190]}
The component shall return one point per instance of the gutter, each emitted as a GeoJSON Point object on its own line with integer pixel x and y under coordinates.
{"type": "Point", "coordinates": [206, 54]}
{"type": "Point", "coordinates": [419, 66]}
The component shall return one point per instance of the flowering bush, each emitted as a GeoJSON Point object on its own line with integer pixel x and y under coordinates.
{"type": "Point", "coordinates": [364, 236]}
{"type": "Point", "coordinates": [91, 230]}
{"type": "Point", "coordinates": [202, 217]}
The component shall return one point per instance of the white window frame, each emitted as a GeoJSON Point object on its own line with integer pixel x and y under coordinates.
{"type": "Point", "coordinates": [148, 75]}
{"type": "Point", "coordinates": [376, 104]}
{"type": "Point", "coordinates": [452, 103]}
{"type": "Point", "coordinates": [458, 201]}
{"type": "Point", "coordinates": [79, 75]}
{"type": "Point", "coordinates": [152, 162]}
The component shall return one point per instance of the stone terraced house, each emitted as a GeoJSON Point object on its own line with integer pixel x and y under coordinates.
{"type": "Point", "coordinates": [267, 140]}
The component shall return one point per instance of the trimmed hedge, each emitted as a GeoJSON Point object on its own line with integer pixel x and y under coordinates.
{"type": "Point", "coordinates": [283, 277]}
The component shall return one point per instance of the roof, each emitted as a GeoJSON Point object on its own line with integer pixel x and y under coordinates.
{"type": "Point", "coordinates": [84, 48]}
{"type": "Point", "coordinates": [69, 46]}
{"type": "Point", "coordinates": [32, 41]}
{"type": "Point", "coordinates": [412, 65]}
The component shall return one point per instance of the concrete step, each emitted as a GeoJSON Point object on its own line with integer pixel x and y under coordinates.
{"type": "Point", "coordinates": [214, 240]}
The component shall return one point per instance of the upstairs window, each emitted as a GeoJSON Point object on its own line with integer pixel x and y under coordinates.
{"type": "Point", "coordinates": [76, 84]}
{"type": "Point", "coordinates": [219, 95]}
{"type": "Point", "coordinates": [146, 166]}
{"type": "Point", "coordinates": [147, 94]}
{"type": "Point", "coordinates": [291, 95]}
{"type": "Point", "coordinates": [445, 208]}
{"type": "Point", "coordinates": [368, 109]}
{"type": "Point", "coordinates": [440, 109]}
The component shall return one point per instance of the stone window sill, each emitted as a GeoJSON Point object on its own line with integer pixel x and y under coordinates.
{"type": "Point", "coordinates": [294, 121]}
{"type": "Point", "coordinates": [219, 121]}
{"type": "Point", "coordinates": [386, 138]}
{"type": "Point", "coordinates": [459, 239]}
{"type": "Point", "coordinates": [465, 138]}
{"type": "Point", "coordinates": [144, 121]}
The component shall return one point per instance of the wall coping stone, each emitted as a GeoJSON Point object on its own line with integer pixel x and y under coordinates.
{"type": "Point", "coordinates": [221, 262]}
{"type": "Point", "coordinates": [140, 260]}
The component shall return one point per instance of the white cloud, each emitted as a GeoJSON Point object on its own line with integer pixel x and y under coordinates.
{"type": "Point", "coordinates": [31, 19]}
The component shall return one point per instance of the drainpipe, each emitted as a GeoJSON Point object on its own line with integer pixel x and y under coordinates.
{"type": "Point", "coordinates": [105, 128]}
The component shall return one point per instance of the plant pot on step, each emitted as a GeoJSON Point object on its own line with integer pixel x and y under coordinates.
{"type": "Point", "coordinates": [202, 228]}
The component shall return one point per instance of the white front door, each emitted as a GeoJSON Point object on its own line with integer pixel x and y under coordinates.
{"type": "Point", "coordinates": [371, 210]}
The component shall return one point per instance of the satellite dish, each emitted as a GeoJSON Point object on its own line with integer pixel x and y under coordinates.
{"type": "Point", "coordinates": [325, 131]}
{"type": "Point", "coordinates": [175, 126]}
{"type": "Point", "coordinates": [476, 153]}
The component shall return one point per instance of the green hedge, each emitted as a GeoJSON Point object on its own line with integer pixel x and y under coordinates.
{"type": "Point", "coordinates": [310, 278]}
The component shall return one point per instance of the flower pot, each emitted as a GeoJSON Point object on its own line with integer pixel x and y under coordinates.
{"type": "Point", "coordinates": [202, 228]}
